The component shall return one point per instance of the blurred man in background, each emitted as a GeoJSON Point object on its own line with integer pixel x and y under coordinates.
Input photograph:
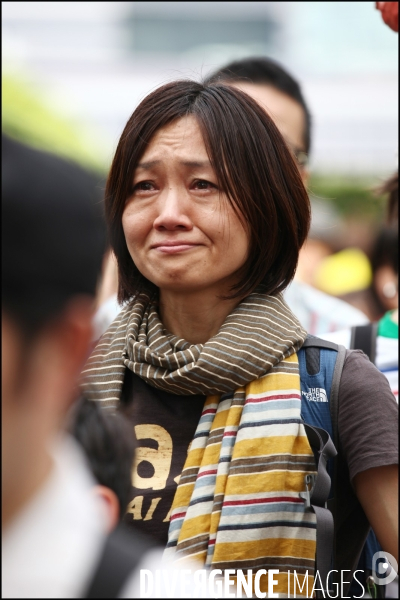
{"type": "Point", "coordinates": [281, 96]}
{"type": "Point", "coordinates": [55, 540]}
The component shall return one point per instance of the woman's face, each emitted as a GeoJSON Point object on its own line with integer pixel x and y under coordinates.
{"type": "Point", "coordinates": [181, 231]}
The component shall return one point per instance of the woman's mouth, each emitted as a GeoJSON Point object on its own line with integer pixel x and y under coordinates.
{"type": "Point", "coordinates": [174, 247]}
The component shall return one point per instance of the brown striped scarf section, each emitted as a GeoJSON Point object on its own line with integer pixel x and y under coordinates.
{"type": "Point", "coordinates": [237, 505]}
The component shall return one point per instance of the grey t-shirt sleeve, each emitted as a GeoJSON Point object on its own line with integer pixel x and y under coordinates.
{"type": "Point", "coordinates": [368, 416]}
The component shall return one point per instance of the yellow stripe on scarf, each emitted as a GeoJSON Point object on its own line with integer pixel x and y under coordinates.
{"type": "Point", "coordinates": [237, 504]}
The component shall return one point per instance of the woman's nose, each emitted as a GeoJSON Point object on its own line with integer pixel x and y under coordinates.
{"type": "Point", "coordinates": [173, 211]}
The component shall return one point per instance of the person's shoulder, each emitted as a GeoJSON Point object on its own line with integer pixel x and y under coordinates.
{"type": "Point", "coordinates": [356, 359]}
{"type": "Point", "coordinates": [362, 379]}
{"type": "Point", "coordinates": [368, 415]}
{"type": "Point", "coordinates": [60, 529]}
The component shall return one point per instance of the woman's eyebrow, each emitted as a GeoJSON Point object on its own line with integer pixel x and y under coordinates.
{"type": "Point", "coordinates": [148, 165]}
{"type": "Point", "coordinates": [196, 163]}
{"type": "Point", "coordinates": [187, 163]}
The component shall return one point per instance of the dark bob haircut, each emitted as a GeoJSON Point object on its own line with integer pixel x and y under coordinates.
{"type": "Point", "coordinates": [253, 167]}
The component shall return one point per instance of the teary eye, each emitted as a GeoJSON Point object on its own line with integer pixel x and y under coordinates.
{"type": "Point", "coordinates": [202, 184]}
{"type": "Point", "coordinates": [144, 186]}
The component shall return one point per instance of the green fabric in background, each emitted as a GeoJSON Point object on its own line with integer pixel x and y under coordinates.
{"type": "Point", "coordinates": [387, 327]}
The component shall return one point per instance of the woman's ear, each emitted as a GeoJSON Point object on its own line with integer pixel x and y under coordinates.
{"type": "Point", "coordinates": [110, 501]}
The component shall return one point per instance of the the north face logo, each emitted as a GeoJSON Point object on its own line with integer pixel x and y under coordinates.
{"type": "Point", "coordinates": [316, 395]}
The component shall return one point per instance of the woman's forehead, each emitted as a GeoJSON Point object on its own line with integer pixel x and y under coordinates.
{"type": "Point", "coordinates": [181, 137]}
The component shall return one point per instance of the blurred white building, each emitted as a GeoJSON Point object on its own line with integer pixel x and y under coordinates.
{"type": "Point", "coordinates": [96, 60]}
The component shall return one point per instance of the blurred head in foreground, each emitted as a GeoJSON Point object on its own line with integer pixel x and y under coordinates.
{"type": "Point", "coordinates": [52, 246]}
{"type": "Point", "coordinates": [109, 445]}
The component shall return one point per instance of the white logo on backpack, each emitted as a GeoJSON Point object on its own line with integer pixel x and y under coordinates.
{"type": "Point", "coordinates": [316, 395]}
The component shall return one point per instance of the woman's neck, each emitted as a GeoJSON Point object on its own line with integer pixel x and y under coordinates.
{"type": "Point", "coordinates": [194, 317]}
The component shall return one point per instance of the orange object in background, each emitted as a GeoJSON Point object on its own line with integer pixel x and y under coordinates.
{"type": "Point", "coordinates": [390, 13]}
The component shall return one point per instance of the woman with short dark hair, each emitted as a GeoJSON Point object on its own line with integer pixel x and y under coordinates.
{"type": "Point", "coordinates": [207, 213]}
{"type": "Point", "coordinates": [251, 166]}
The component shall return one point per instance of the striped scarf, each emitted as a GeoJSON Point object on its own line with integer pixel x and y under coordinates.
{"type": "Point", "coordinates": [237, 505]}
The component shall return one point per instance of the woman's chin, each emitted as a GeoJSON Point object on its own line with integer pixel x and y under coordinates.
{"type": "Point", "coordinates": [180, 287]}
{"type": "Point", "coordinates": [177, 279]}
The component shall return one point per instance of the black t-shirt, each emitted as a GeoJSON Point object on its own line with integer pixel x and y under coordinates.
{"type": "Point", "coordinates": [164, 425]}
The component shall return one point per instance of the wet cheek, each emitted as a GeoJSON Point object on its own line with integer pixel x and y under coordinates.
{"type": "Point", "coordinates": [135, 227]}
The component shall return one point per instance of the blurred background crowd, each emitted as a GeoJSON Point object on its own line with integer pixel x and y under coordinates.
{"type": "Point", "coordinates": [74, 71]}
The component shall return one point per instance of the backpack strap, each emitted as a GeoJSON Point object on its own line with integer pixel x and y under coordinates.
{"type": "Point", "coordinates": [312, 341]}
{"type": "Point", "coordinates": [122, 553]}
{"type": "Point", "coordinates": [363, 337]}
{"type": "Point", "coordinates": [334, 410]}
{"type": "Point", "coordinates": [312, 346]}
{"type": "Point", "coordinates": [313, 365]}
{"type": "Point", "coordinates": [316, 498]}
{"type": "Point", "coordinates": [334, 398]}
